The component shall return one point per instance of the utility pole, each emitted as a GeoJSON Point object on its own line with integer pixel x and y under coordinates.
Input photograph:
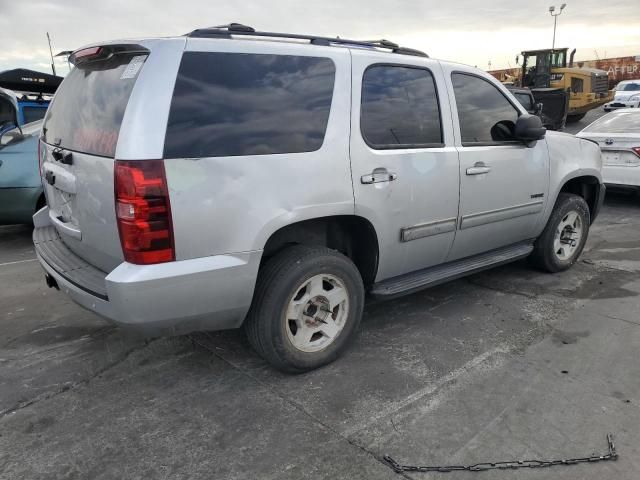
{"type": "Point", "coordinates": [53, 67]}
{"type": "Point", "coordinates": [555, 21]}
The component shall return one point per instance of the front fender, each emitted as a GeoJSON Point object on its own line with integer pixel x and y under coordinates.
{"type": "Point", "coordinates": [569, 158]}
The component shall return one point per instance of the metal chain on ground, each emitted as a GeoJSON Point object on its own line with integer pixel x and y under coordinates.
{"type": "Point", "coordinates": [509, 465]}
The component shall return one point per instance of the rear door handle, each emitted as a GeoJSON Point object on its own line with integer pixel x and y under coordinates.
{"type": "Point", "coordinates": [379, 175]}
{"type": "Point", "coordinates": [478, 169]}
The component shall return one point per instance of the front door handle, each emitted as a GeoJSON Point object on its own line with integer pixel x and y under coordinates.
{"type": "Point", "coordinates": [379, 175]}
{"type": "Point", "coordinates": [478, 169]}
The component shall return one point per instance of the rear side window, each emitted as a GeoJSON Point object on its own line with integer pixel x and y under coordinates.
{"type": "Point", "coordinates": [87, 110]}
{"type": "Point", "coordinates": [229, 104]}
{"type": "Point", "coordinates": [485, 114]}
{"type": "Point", "coordinates": [399, 108]}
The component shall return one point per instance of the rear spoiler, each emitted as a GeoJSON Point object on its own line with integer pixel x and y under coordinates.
{"type": "Point", "coordinates": [89, 55]}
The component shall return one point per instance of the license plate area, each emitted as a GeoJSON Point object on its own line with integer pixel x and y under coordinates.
{"type": "Point", "coordinates": [611, 158]}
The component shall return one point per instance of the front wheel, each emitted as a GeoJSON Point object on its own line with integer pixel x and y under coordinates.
{"type": "Point", "coordinates": [307, 307]}
{"type": "Point", "coordinates": [565, 235]}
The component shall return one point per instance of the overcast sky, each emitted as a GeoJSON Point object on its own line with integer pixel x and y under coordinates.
{"type": "Point", "coordinates": [467, 31]}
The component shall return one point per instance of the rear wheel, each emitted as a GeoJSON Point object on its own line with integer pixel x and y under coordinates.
{"type": "Point", "coordinates": [307, 307]}
{"type": "Point", "coordinates": [565, 235]}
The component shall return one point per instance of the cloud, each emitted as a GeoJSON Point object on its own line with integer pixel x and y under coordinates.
{"type": "Point", "coordinates": [461, 30]}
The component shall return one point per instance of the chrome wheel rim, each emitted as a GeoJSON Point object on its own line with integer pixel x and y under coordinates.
{"type": "Point", "coordinates": [317, 312]}
{"type": "Point", "coordinates": [568, 236]}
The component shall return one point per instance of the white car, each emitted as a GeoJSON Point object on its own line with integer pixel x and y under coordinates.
{"type": "Point", "coordinates": [627, 96]}
{"type": "Point", "coordinates": [618, 134]}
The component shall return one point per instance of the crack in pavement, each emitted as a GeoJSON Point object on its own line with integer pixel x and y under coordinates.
{"type": "Point", "coordinates": [296, 406]}
{"type": "Point", "coordinates": [72, 386]}
{"type": "Point", "coordinates": [619, 318]}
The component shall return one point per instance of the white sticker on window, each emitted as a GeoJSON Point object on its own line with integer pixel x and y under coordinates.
{"type": "Point", "coordinates": [134, 67]}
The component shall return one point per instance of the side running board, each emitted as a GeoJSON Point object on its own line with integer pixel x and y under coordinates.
{"type": "Point", "coordinates": [432, 276]}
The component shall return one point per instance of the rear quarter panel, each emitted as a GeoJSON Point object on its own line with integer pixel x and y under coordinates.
{"type": "Point", "coordinates": [233, 204]}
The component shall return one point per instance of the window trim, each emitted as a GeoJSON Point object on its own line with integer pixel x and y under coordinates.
{"type": "Point", "coordinates": [483, 144]}
{"type": "Point", "coordinates": [403, 146]}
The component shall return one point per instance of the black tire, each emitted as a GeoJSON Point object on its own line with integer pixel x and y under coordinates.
{"type": "Point", "coordinates": [543, 255]}
{"type": "Point", "coordinates": [278, 280]}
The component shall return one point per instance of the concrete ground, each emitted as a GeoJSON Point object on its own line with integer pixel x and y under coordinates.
{"type": "Point", "coordinates": [508, 364]}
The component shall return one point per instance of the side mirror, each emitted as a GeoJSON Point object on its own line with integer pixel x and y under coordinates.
{"type": "Point", "coordinates": [529, 128]}
{"type": "Point", "coordinates": [517, 59]}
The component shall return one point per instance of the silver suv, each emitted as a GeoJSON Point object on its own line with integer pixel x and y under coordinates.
{"type": "Point", "coordinates": [232, 178]}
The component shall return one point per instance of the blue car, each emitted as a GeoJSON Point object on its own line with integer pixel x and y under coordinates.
{"type": "Point", "coordinates": [24, 99]}
{"type": "Point", "coordinates": [20, 185]}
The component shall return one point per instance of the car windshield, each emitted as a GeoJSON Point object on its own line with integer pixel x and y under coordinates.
{"type": "Point", "coordinates": [616, 122]}
{"type": "Point", "coordinates": [629, 87]}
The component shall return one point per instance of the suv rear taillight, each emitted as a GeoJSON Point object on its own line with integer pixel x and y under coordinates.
{"type": "Point", "coordinates": [143, 211]}
{"type": "Point", "coordinates": [636, 150]}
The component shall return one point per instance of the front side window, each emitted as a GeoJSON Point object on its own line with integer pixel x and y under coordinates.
{"type": "Point", "coordinates": [230, 104]}
{"type": "Point", "coordinates": [485, 114]}
{"type": "Point", "coordinates": [400, 108]}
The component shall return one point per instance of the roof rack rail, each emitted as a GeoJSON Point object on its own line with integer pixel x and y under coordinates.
{"type": "Point", "coordinates": [231, 29]}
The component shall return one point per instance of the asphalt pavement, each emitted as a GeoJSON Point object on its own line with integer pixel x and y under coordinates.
{"type": "Point", "coordinates": [508, 364]}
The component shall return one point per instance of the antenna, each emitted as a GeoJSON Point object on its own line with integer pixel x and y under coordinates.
{"type": "Point", "coordinates": [53, 67]}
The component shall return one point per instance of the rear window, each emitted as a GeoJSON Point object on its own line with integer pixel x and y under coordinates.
{"type": "Point", "coordinates": [617, 122]}
{"type": "Point", "coordinates": [229, 104]}
{"type": "Point", "coordinates": [87, 111]}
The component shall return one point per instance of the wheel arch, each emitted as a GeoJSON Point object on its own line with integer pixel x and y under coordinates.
{"type": "Point", "coordinates": [587, 187]}
{"type": "Point", "coordinates": [352, 235]}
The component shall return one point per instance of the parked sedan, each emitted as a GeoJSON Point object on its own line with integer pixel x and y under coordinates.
{"type": "Point", "coordinates": [627, 95]}
{"type": "Point", "coordinates": [618, 134]}
{"type": "Point", "coordinates": [20, 185]}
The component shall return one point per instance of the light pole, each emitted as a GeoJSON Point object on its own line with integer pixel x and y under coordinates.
{"type": "Point", "coordinates": [555, 16]}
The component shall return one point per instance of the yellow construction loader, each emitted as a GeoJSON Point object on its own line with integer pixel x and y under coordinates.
{"type": "Point", "coordinates": [588, 87]}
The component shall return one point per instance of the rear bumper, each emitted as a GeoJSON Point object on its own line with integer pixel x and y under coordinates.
{"type": "Point", "coordinates": [618, 104]}
{"type": "Point", "coordinates": [210, 293]}
{"type": "Point", "coordinates": [621, 175]}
